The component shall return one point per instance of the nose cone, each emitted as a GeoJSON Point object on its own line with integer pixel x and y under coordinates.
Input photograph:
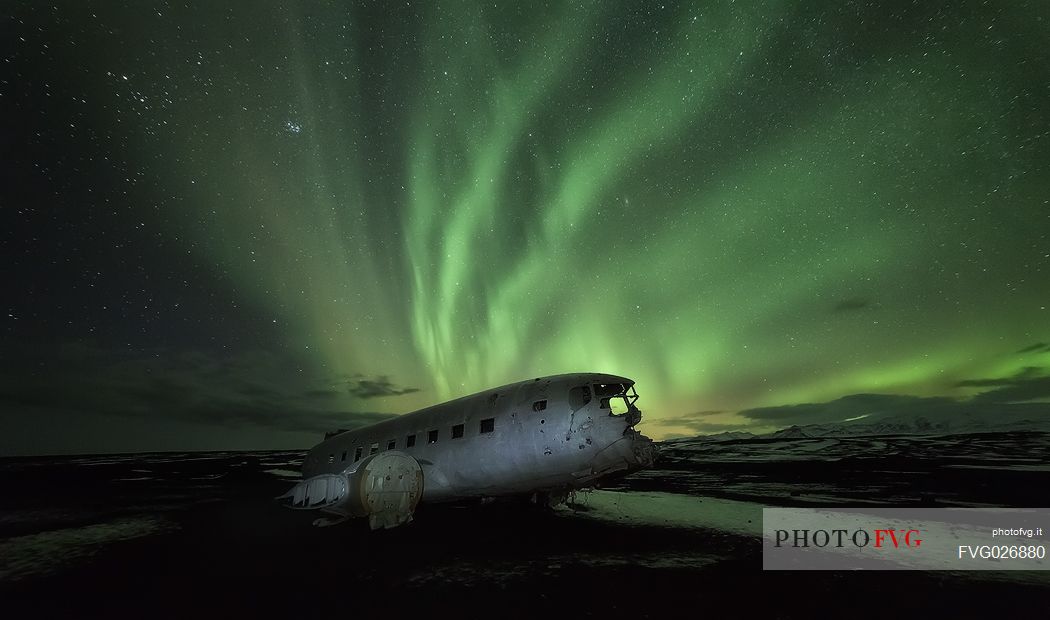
{"type": "Point", "coordinates": [633, 416]}
{"type": "Point", "coordinates": [643, 450]}
{"type": "Point", "coordinates": [628, 451]}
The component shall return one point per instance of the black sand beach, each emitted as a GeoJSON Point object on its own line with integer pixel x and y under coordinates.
{"type": "Point", "coordinates": [182, 535]}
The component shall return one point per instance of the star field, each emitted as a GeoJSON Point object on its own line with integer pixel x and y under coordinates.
{"type": "Point", "coordinates": [273, 218]}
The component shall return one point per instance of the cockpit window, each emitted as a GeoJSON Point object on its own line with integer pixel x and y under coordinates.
{"type": "Point", "coordinates": [616, 397]}
{"type": "Point", "coordinates": [579, 396]}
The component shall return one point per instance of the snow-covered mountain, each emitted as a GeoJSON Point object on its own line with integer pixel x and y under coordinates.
{"type": "Point", "coordinates": [874, 425]}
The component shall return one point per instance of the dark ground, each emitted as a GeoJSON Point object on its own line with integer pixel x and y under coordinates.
{"type": "Point", "coordinates": [178, 535]}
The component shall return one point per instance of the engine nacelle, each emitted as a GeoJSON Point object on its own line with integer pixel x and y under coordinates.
{"type": "Point", "coordinates": [385, 487]}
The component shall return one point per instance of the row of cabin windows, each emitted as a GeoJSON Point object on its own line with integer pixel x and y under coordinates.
{"type": "Point", "coordinates": [579, 396]}
{"type": "Point", "coordinates": [487, 425]}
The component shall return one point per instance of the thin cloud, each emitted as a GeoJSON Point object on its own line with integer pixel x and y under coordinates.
{"type": "Point", "coordinates": [697, 423]}
{"type": "Point", "coordinates": [846, 407]}
{"type": "Point", "coordinates": [1028, 374]}
{"type": "Point", "coordinates": [1040, 347]}
{"type": "Point", "coordinates": [377, 387]}
{"type": "Point", "coordinates": [1020, 394]}
{"type": "Point", "coordinates": [251, 389]}
{"type": "Point", "coordinates": [1028, 385]}
{"type": "Point", "coordinates": [852, 305]}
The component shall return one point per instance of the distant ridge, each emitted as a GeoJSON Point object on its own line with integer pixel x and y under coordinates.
{"type": "Point", "coordinates": [895, 425]}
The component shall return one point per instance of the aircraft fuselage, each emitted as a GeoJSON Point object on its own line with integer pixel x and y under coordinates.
{"type": "Point", "coordinates": [551, 434]}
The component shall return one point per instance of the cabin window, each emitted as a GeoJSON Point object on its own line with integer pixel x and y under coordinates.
{"type": "Point", "coordinates": [410, 441]}
{"type": "Point", "coordinates": [457, 431]}
{"type": "Point", "coordinates": [539, 405]}
{"type": "Point", "coordinates": [357, 453]}
{"type": "Point", "coordinates": [579, 396]}
{"type": "Point", "coordinates": [344, 456]}
{"type": "Point", "coordinates": [488, 425]}
{"type": "Point", "coordinates": [390, 445]}
{"type": "Point", "coordinates": [374, 448]}
{"type": "Point", "coordinates": [432, 436]}
{"type": "Point", "coordinates": [331, 458]}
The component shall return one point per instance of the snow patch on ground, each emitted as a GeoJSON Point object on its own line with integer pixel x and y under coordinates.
{"type": "Point", "coordinates": [50, 552]}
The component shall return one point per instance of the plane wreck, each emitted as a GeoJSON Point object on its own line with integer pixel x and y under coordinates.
{"type": "Point", "coordinates": [545, 438]}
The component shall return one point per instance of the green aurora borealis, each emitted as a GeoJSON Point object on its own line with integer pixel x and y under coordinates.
{"type": "Point", "coordinates": [736, 204]}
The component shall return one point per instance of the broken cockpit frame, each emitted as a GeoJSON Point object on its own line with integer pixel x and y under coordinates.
{"type": "Point", "coordinates": [619, 399]}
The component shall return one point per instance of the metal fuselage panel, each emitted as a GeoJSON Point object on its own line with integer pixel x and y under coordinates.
{"type": "Point", "coordinates": [528, 448]}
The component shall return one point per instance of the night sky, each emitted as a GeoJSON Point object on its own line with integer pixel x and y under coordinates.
{"type": "Point", "coordinates": [238, 224]}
